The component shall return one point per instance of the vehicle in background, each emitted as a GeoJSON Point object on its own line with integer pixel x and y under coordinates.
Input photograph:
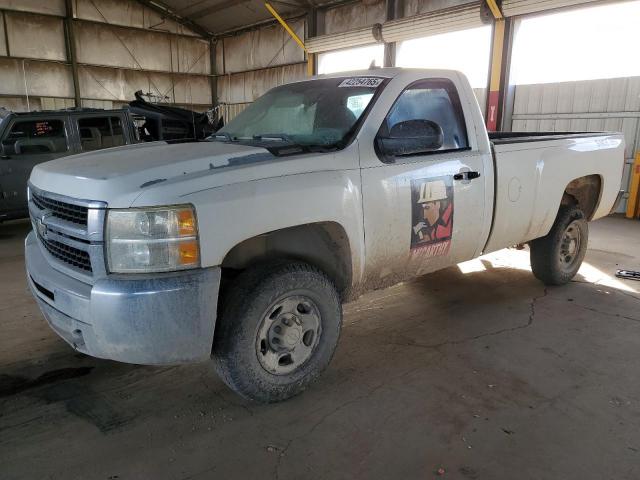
{"type": "Point", "coordinates": [157, 121]}
{"type": "Point", "coordinates": [241, 250]}
{"type": "Point", "coordinates": [30, 138]}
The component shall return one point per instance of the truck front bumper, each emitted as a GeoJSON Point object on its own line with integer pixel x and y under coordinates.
{"type": "Point", "coordinates": [148, 319]}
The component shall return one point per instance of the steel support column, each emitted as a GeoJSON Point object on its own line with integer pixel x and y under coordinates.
{"type": "Point", "coordinates": [507, 94]}
{"type": "Point", "coordinates": [495, 76]}
{"type": "Point", "coordinates": [213, 79]}
{"type": "Point", "coordinates": [6, 33]}
{"type": "Point", "coordinates": [633, 202]}
{"type": "Point", "coordinates": [312, 31]}
{"type": "Point", "coordinates": [69, 38]}
{"type": "Point", "coordinates": [394, 10]}
{"type": "Point", "coordinates": [500, 61]}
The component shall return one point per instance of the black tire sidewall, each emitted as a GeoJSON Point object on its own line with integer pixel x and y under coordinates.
{"type": "Point", "coordinates": [545, 251]}
{"type": "Point", "coordinates": [235, 352]}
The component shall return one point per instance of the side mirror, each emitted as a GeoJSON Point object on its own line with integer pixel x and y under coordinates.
{"type": "Point", "coordinates": [412, 137]}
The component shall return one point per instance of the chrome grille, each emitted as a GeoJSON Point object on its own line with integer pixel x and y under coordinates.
{"type": "Point", "coordinates": [66, 211]}
{"type": "Point", "coordinates": [70, 233]}
{"type": "Point", "coordinates": [68, 254]}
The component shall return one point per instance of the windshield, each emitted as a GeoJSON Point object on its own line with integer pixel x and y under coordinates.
{"type": "Point", "coordinates": [316, 112]}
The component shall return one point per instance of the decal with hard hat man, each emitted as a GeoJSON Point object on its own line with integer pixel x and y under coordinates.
{"type": "Point", "coordinates": [432, 210]}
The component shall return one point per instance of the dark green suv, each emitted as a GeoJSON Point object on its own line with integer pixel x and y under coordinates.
{"type": "Point", "coordinates": [27, 139]}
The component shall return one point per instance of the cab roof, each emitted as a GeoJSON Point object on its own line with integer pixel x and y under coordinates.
{"type": "Point", "coordinates": [5, 112]}
{"type": "Point", "coordinates": [386, 72]}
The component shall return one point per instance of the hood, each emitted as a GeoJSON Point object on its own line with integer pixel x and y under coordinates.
{"type": "Point", "coordinates": [118, 175]}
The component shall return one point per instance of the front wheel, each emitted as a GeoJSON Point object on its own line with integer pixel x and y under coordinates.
{"type": "Point", "coordinates": [556, 258]}
{"type": "Point", "coordinates": [278, 331]}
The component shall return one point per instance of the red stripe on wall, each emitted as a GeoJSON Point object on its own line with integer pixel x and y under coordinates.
{"type": "Point", "coordinates": [492, 111]}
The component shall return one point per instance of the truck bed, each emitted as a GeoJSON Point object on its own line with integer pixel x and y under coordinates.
{"type": "Point", "coordinates": [533, 169]}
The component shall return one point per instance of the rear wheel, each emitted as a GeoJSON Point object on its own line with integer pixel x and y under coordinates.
{"type": "Point", "coordinates": [556, 258]}
{"type": "Point", "coordinates": [278, 331]}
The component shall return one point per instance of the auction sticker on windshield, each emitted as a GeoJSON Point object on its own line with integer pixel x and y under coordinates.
{"type": "Point", "coordinates": [371, 82]}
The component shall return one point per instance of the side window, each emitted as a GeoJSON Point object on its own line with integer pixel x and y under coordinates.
{"type": "Point", "coordinates": [436, 100]}
{"type": "Point", "coordinates": [116, 127]}
{"type": "Point", "coordinates": [100, 132]}
{"type": "Point", "coordinates": [34, 137]}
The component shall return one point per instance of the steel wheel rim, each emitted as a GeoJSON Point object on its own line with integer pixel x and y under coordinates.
{"type": "Point", "coordinates": [288, 334]}
{"type": "Point", "coordinates": [570, 245]}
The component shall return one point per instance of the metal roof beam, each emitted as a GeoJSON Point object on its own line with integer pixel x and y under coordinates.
{"type": "Point", "coordinates": [217, 8]}
{"type": "Point", "coordinates": [167, 12]}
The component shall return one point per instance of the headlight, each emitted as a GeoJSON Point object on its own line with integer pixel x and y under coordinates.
{"type": "Point", "coordinates": [160, 239]}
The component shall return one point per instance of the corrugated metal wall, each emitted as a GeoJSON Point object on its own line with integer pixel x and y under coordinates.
{"type": "Point", "coordinates": [416, 7]}
{"type": "Point", "coordinates": [352, 16]}
{"type": "Point", "coordinates": [253, 62]}
{"type": "Point", "coordinates": [591, 105]}
{"type": "Point", "coordinates": [121, 47]}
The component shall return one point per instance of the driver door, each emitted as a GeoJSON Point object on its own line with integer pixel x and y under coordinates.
{"type": "Point", "coordinates": [25, 144]}
{"type": "Point", "coordinates": [425, 210]}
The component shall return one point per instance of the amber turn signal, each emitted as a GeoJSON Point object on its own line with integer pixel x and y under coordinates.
{"type": "Point", "coordinates": [188, 251]}
{"type": "Point", "coordinates": [186, 223]}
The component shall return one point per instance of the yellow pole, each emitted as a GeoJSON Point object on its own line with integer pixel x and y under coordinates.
{"type": "Point", "coordinates": [633, 202]}
{"type": "Point", "coordinates": [495, 9]}
{"type": "Point", "coordinates": [285, 25]}
{"type": "Point", "coordinates": [293, 35]}
{"type": "Point", "coordinates": [310, 64]}
{"type": "Point", "coordinates": [495, 78]}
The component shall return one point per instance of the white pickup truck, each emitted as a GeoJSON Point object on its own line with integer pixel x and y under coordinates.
{"type": "Point", "coordinates": [241, 250]}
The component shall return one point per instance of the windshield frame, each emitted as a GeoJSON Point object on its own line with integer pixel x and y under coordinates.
{"type": "Point", "coordinates": [276, 147]}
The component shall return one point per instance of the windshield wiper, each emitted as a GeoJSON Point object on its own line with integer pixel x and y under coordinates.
{"type": "Point", "coordinates": [283, 144]}
{"type": "Point", "coordinates": [271, 137]}
{"type": "Point", "coordinates": [283, 137]}
{"type": "Point", "coordinates": [321, 148]}
{"type": "Point", "coordinates": [222, 136]}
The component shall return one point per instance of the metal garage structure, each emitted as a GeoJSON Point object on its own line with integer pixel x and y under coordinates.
{"type": "Point", "coordinates": [97, 53]}
{"type": "Point", "coordinates": [215, 252]}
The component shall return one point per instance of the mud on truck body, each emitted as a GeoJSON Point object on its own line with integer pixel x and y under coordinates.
{"type": "Point", "coordinates": [241, 250]}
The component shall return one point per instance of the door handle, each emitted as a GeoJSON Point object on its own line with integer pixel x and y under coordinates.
{"type": "Point", "coordinates": [466, 175]}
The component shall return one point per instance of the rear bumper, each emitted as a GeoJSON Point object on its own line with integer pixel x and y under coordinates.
{"type": "Point", "coordinates": [150, 319]}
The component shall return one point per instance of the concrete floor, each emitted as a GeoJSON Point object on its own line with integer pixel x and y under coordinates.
{"type": "Point", "coordinates": [478, 370]}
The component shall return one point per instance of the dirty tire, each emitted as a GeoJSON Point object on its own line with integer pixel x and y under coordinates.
{"type": "Point", "coordinates": [236, 345]}
{"type": "Point", "coordinates": [549, 255]}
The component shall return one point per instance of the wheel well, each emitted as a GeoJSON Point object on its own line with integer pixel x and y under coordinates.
{"type": "Point", "coordinates": [584, 192]}
{"type": "Point", "coordinates": [324, 245]}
